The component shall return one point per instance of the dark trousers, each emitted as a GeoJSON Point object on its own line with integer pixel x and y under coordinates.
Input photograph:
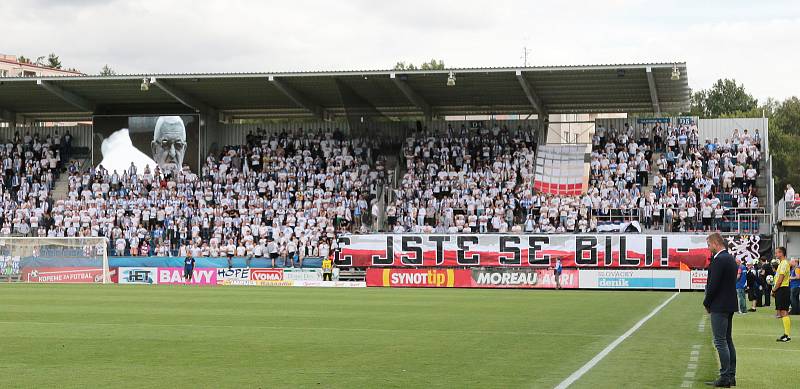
{"type": "Point", "coordinates": [765, 297]}
{"type": "Point", "coordinates": [721, 326]}
{"type": "Point", "coordinates": [795, 296]}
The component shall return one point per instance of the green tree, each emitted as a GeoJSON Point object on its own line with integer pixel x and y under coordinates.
{"type": "Point", "coordinates": [787, 117]}
{"type": "Point", "coordinates": [430, 65]}
{"type": "Point", "coordinates": [785, 152]}
{"type": "Point", "coordinates": [725, 97]}
{"type": "Point", "coordinates": [23, 59]}
{"type": "Point", "coordinates": [404, 66]}
{"type": "Point", "coordinates": [107, 71]}
{"type": "Point", "coordinates": [784, 143]}
{"type": "Point", "coordinates": [433, 65]}
{"type": "Point", "coordinates": [53, 61]}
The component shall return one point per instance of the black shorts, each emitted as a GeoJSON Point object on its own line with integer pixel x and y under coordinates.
{"type": "Point", "coordinates": [187, 271]}
{"type": "Point", "coordinates": [782, 299]}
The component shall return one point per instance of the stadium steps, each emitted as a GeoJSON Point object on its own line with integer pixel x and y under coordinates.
{"type": "Point", "coordinates": [61, 186]}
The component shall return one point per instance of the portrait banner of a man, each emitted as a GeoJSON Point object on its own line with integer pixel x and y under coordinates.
{"type": "Point", "coordinates": [169, 142]}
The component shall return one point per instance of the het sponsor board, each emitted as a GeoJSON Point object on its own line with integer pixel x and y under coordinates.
{"type": "Point", "coordinates": [63, 275]}
{"type": "Point", "coordinates": [174, 276]}
{"type": "Point", "coordinates": [138, 275]}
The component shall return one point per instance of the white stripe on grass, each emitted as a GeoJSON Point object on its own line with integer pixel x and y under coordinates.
{"type": "Point", "coordinates": [597, 358]}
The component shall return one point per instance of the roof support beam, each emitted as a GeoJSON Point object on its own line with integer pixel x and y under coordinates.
{"type": "Point", "coordinates": [534, 99]}
{"type": "Point", "coordinates": [317, 110]}
{"type": "Point", "coordinates": [651, 82]}
{"type": "Point", "coordinates": [412, 95]}
{"type": "Point", "coordinates": [70, 97]}
{"type": "Point", "coordinates": [180, 96]}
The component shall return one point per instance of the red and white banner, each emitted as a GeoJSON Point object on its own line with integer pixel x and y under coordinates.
{"type": "Point", "coordinates": [62, 274]}
{"type": "Point", "coordinates": [471, 278]}
{"type": "Point", "coordinates": [174, 275]}
{"type": "Point", "coordinates": [561, 170]}
{"type": "Point", "coordinates": [699, 278]}
{"type": "Point", "coordinates": [482, 250]}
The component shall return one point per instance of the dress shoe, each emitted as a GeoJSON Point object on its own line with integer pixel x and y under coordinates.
{"type": "Point", "coordinates": [720, 383]}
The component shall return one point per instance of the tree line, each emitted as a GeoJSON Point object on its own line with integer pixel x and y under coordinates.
{"type": "Point", "coordinates": [729, 99]}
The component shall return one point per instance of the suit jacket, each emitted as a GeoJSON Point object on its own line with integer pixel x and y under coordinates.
{"type": "Point", "coordinates": [721, 285]}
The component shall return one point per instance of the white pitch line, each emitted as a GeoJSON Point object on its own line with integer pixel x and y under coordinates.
{"type": "Point", "coordinates": [602, 354]}
{"type": "Point", "coordinates": [691, 367]}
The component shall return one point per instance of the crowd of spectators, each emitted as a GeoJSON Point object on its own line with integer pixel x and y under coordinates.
{"type": "Point", "coordinates": [663, 177]}
{"type": "Point", "coordinates": [289, 194]}
{"type": "Point", "coordinates": [31, 164]}
{"type": "Point", "coordinates": [281, 195]}
{"type": "Point", "coordinates": [464, 180]}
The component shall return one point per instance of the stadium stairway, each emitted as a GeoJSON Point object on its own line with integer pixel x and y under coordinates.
{"type": "Point", "coordinates": [61, 186]}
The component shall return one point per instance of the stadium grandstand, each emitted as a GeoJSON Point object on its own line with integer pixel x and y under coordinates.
{"type": "Point", "coordinates": [373, 151]}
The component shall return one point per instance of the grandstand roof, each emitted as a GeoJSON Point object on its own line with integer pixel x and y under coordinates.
{"type": "Point", "coordinates": [391, 93]}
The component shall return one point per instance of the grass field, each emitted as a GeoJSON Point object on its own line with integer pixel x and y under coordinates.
{"type": "Point", "coordinates": [138, 336]}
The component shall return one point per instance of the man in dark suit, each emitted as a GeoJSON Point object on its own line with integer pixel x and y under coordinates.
{"type": "Point", "coordinates": [720, 303]}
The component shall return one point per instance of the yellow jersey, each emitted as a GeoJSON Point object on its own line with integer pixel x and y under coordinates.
{"type": "Point", "coordinates": [327, 265]}
{"type": "Point", "coordinates": [783, 268]}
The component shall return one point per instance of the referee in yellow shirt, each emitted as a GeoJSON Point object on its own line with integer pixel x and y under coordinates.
{"type": "Point", "coordinates": [327, 268]}
{"type": "Point", "coordinates": [781, 293]}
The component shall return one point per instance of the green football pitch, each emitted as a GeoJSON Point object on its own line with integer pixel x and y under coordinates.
{"type": "Point", "coordinates": [82, 336]}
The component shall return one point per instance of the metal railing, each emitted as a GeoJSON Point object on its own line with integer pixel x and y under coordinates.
{"type": "Point", "coordinates": [788, 211]}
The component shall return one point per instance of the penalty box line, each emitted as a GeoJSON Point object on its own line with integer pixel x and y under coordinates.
{"type": "Point", "coordinates": [602, 354]}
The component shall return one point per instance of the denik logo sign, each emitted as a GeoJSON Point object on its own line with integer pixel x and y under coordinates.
{"type": "Point", "coordinates": [266, 275]}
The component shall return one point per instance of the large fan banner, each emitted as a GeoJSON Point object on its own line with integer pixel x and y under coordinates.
{"type": "Point", "coordinates": [560, 170]}
{"type": "Point", "coordinates": [599, 250]}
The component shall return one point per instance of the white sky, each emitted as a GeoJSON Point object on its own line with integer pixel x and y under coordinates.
{"type": "Point", "coordinates": [753, 42]}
